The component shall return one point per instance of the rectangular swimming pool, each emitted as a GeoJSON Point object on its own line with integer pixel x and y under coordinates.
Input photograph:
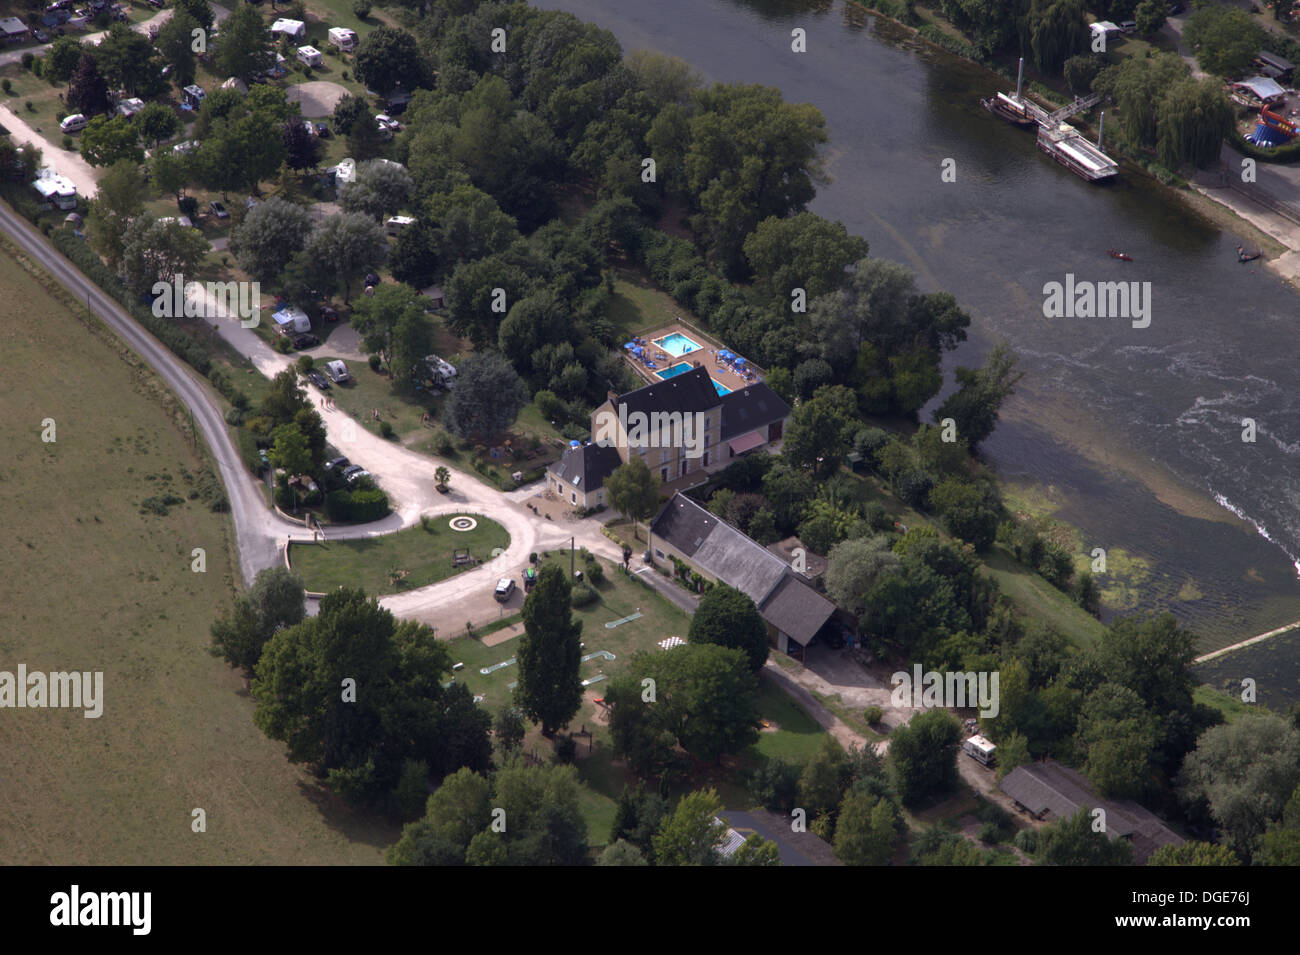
{"type": "Point", "coordinates": [680, 368]}
{"type": "Point", "coordinates": [677, 345]}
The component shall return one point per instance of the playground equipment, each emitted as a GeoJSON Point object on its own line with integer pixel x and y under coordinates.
{"type": "Point", "coordinates": [603, 654]}
{"type": "Point", "coordinates": [1279, 123]}
{"type": "Point", "coordinates": [460, 557]}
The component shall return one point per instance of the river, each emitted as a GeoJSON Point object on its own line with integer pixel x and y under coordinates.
{"type": "Point", "coordinates": [1134, 433]}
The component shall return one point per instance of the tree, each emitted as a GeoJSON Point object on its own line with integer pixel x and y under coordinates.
{"type": "Point", "coordinates": [1193, 853]}
{"type": "Point", "coordinates": [756, 851]}
{"type": "Point", "coordinates": [388, 57]}
{"type": "Point", "coordinates": [125, 58]}
{"type": "Point", "coordinates": [1244, 771]}
{"type": "Point", "coordinates": [633, 491]}
{"type": "Point", "coordinates": [544, 821]}
{"type": "Point", "coordinates": [62, 58]}
{"type": "Point", "coordinates": [347, 111]}
{"type": "Point", "coordinates": [270, 235]}
{"type": "Point", "coordinates": [866, 828]}
{"type": "Point", "coordinates": [705, 699]}
{"type": "Point", "coordinates": [155, 251]}
{"type": "Point", "coordinates": [1195, 115]}
{"type": "Point", "coordinates": [106, 141]}
{"type": "Point", "coordinates": [381, 188]}
{"type": "Point", "coordinates": [487, 398]}
{"type": "Point", "coordinates": [728, 618]}
{"type": "Point", "coordinates": [245, 49]}
{"type": "Point", "coordinates": [750, 156]}
{"type": "Point", "coordinates": [352, 244]}
{"type": "Point", "coordinates": [199, 10]}
{"type": "Point", "coordinates": [818, 437]}
{"type": "Point", "coordinates": [853, 567]}
{"type": "Point", "coordinates": [969, 511]}
{"type": "Point", "coordinates": [622, 852]}
{"type": "Point", "coordinates": [1074, 841]}
{"type": "Point", "coordinates": [550, 688]}
{"type": "Point", "coordinates": [175, 44]}
{"type": "Point", "coordinates": [120, 198]}
{"type": "Point", "coordinates": [365, 140]}
{"type": "Point", "coordinates": [377, 318]}
{"type": "Point", "coordinates": [455, 813]}
{"type": "Point", "coordinates": [87, 90]}
{"type": "Point", "coordinates": [823, 780]}
{"type": "Point", "coordinates": [441, 475]}
{"type": "Point", "coordinates": [801, 251]}
{"type": "Point", "coordinates": [693, 834]}
{"type": "Point", "coordinates": [1224, 38]}
{"type": "Point", "coordinates": [508, 728]}
{"type": "Point", "coordinates": [156, 122]}
{"type": "Point", "coordinates": [289, 450]}
{"type": "Point", "coordinates": [400, 710]}
{"type": "Point", "coordinates": [974, 406]}
{"type": "Point", "coordinates": [1120, 736]}
{"type": "Point", "coordinates": [275, 601]}
{"type": "Point", "coordinates": [1149, 16]}
{"type": "Point", "coordinates": [923, 756]}
{"type": "Point", "coordinates": [1057, 31]}
{"type": "Point", "coordinates": [1081, 70]}
{"type": "Point", "coordinates": [301, 148]}
{"type": "Point", "coordinates": [467, 224]}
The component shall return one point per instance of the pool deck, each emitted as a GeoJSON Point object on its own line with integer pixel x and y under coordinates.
{"type": "Point", "coordinates": [706, 357]}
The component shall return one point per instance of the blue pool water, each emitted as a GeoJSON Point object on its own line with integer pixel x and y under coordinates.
{"type": "Point", "coordinates": [677, 345]}
{"type": "Point", "coordinates": [721, 389]}
{"type": "Point", "coordinates": [678, 369]}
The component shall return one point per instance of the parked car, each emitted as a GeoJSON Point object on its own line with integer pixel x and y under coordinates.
{"type": "Point", "coordinates": [505, 587]}
{"type": "Point", "coordinates": [387, 122]}
{"type": "Point", "coordinates": [322, 131]}
{"type": "Point", "coordinates": [354, 473]}
{"type": "Point", "coordinates": [333, 463]}
{"type": "Point", "coordinates": [319, 380]}
{"type": "Point", "coordinates": [305, 341]}
{"type": "Point", "coordinates": [218, 209]}
{"type": "Point", "coordinates": [41, 36]}
{"type": "Point", "coordinates": [74, 123]}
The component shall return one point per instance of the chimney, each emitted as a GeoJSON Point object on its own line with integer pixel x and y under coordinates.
{"type": "Point", "coordinates": [612, 396]}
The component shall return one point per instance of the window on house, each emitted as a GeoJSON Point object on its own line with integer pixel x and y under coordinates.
{"type": "Point", "coordinates": [573, 499]}
{"type": "Point", "coordinates": [663, 475]}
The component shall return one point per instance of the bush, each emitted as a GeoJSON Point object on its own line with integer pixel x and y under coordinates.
{"type": "Point", "coordinates": [595, 573]}
{"type": "Point", "coordinates": [188, 205]}
{"type": "Point", "coordinates": [234, 417]}
{"type": "Point", "coordinates": [27, 60]}
{"type": "Point", "coordinates": [306, 363]}
{"type": "Point", "coordinates": [68, 142]}
{"type": "Point", "coordinates": [361, 8]}
{"type": "Point", "coordinates": [575, 432]}
{"type": "Point", "coordinates": [357, 506]}
{"type": "Point", "coordinates": [583, 595]}
{"type": "Point", "coordinates": [38, 67]}
{"type": "Point", "coordinates": [989, 832]}
{"type": "Point", "coordinates": [386, 430]}
{"type": "Point", "coordinates": [443, 444]}
{"type": "Point", "coordinates": [1027, 841]}
{"type": "Point", "coordinates": [6, 85]}
{"type": "Point", "coordinates": [375, 362]}
{"type": "Point", "coordinates": [248, 450]}
{"type": "Point", "coordinates": [872, 714]}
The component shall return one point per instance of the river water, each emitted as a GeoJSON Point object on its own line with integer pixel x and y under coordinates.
{"type": "Point", "coordinates": [1136, 433]}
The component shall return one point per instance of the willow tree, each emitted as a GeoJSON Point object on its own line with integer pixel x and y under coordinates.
{"type": "Point", "coordinates": [1195, 115]}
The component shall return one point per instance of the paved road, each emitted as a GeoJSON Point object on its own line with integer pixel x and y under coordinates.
{"type": "Point", "coordinates": [158, 19]}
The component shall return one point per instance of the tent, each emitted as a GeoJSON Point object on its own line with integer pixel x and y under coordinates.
{"type": "Point", "coordinates": [638, 350]}
{"type": "Point", "coordinates": [630, 345]}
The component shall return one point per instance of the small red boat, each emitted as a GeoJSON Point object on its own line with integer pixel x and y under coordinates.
{"type": "Point", "coordinates": [1120, 255]}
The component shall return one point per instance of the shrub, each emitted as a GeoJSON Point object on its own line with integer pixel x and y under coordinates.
{"type": "Point", "coordinates": [361, 8]}
{"type": "Point", "coordinates": [583, 595]}
{"type": "Point", "coordinates": [989, 832]}
{"type": "Point", "coordinates": [872, 714]}
{"type": "Point", "coordinates": [30, 107]}
{"type": "Point", "coordinates": [67, 142]}
{"type": "Point", "coordinates": [27, 60]}
{"type": "Point", "coordinates": [359, 506]}
{"type": "Point", "coordinates": [443, 444]}
{"type": "Point", "coordinates": [386, 430]}
{"type": "Point", "coordinates": [282, 345]}
{"type": "Point", "coordinates": [234, 417]}
{"type": "Point", "coordinates": [595, 573]}
{"type": "Point", "coordinates": [375, 362]}
{"type": "Point", "coordinates": [6, 85]}
{"type": "Point", "coordinates": [306, 363]}
{"type": "Point", "coordinates": [38, 67]}
{"type": "Point", "coordinates": [1027, 841]}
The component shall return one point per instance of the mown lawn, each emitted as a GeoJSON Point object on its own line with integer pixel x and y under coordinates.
{"type": "Point", "coordinates": [393, 563]}
{"type": "Point", "coordinates": [90, 581]}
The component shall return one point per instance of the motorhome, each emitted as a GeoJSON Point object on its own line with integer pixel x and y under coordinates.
{"type": "Point", "coordinates": [980, 749]}
{"type": "Point", "coordinates": [309, 56]}
{"type": "Point", "coordinates": [55, 190]}
{"type": "Point", "coordinates": [343, 38]}
{"type": "Point", "coordinates": [395, 224]}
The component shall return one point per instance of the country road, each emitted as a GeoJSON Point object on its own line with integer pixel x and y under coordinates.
{"type": "Point", "coordinates": [158, 19]}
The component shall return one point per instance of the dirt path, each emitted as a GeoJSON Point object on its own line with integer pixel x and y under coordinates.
{"type": "Point", "coordinates": [70, 165]}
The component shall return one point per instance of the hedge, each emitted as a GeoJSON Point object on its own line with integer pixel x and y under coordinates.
{"type": "Point", "coordinates": [358, 506]}
{"type": "Point", "coordinates": [1280, 154]}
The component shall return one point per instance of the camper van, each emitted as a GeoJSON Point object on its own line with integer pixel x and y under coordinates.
{"type": "Point", "coordinates": [980, 749]}
{"type": "Point", "coordinates": [291, 321]}
{"type": "Point", "coordinates": [309, 56]}
{"type": "Point", "coordinates": [337, 371]}
{"type": "Point", "coordinates": [395, 224]}
{"type": "Point", "coordinates": [343, 38]}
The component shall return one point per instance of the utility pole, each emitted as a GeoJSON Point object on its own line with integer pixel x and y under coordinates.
{"type": "Point", "coordinates": [571, 564]}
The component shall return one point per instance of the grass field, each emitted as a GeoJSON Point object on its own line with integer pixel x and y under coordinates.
{"type": "Point", "coordinates": [373, 563]}
{"type": "Point", "coordinates": [793, 736]}
{"type": "Point", "coordinates": [88, 582]}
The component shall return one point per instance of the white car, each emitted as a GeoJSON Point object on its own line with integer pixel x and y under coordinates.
{"type": "Point", "coordinates": [387, 122]}
{"type": "Point", "coordinates": [74, 123]}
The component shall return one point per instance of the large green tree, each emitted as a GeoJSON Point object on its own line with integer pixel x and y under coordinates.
{"type": "Point", "coordinates": [245, 49]}
{"type": "Point", "coordinates": [974, 406]}
{"type": "Point", "coordinates": [801, 251]}
{"type": "Point", "coordinates": [388, 57]}
{"type": "Point", "coordinates": [270, 235]}
{"type": "Point", "coordinates": [866, 828]}
{"type": "Point", "coordinates": [1074, 841]}
{"type": "Point", "coordinates": [633, 491]}
{"type": "Point", "coordinates": [550, 687]}
{"type": "Point", "coordinates": [923, 756]}
{"type": "Point", "coordinates": [728, 618]}
{"type": "Point", "coordinates": [692, 834]}
{"type": "Point", "coordinates": [487, 398]}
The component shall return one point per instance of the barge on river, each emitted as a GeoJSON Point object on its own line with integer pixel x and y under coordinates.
{"type": "Point", "coordinates": [1067, 146]}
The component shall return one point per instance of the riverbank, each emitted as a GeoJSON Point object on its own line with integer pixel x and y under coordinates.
{"type": "Point", "coordinates": [1277, 236]}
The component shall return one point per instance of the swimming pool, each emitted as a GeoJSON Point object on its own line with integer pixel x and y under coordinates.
{"type": "Point", "coordinates": [680, 368]}
{"type": "Point", "coordinates": [677, 345]}
{"type": "Point", "coordinates": [721, 388]}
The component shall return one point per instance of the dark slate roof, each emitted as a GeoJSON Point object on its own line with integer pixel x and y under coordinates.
{"type": "Point", "coordinates": [590, 464]}
{"type": "Point", "coordinates": [796, 848]}
{"type": "Point", "coordinates": [749, 408]}
{"type": "Point", "coordinates": [1048, 787]}
{"type": "Point", "coordinates": [784, 600]}
{"type": "Point", "coordinates": [796, 609]}
{"type": "Point", "coordinates": [689, 392]}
